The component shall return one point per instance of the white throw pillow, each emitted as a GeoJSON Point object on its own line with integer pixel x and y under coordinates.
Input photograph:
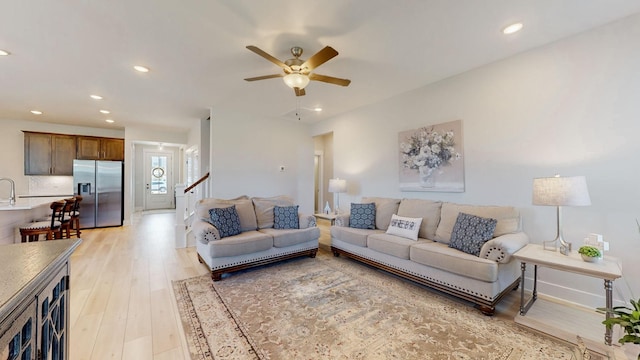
{"type": "Point", "coordinates": [405, 227]}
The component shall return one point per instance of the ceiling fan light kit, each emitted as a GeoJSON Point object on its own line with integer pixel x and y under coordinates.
{"type": "Point", "coordinates": [295, 80]}
{"type": "Point", "coordinates": [298, 72]}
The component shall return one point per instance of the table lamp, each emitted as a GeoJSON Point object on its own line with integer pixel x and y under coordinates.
{"type": "Point", "coordinates": [337, 186]}
{"type": "Point", "coordinates": [560, 191]}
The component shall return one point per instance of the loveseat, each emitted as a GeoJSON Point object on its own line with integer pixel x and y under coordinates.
{"type": "Point", "coordinates": [262, 231]}
{"type": "Point", "coordinates": [479, 268]}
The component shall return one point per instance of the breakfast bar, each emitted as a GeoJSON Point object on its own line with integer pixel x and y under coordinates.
{"type": "Point", "coordinates": [23, 211]}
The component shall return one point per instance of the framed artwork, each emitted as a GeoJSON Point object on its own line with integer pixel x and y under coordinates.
{"type": "Point", "coordinates": [431, 158]}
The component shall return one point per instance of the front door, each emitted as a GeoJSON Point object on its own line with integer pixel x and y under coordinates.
{"type": "Point", "coordinates": [158, 181]}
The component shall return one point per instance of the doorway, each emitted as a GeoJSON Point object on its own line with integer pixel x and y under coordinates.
{"type": "Point", "coordinates": [323, 170]}
{"type": "Point", "coordinates": [158, 177]}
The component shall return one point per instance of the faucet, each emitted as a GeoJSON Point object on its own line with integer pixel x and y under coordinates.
{"type": "Point", "coordinates": [12, 194]}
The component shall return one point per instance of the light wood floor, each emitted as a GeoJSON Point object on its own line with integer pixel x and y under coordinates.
{"type": "Point", "coordinates": [122, 304]}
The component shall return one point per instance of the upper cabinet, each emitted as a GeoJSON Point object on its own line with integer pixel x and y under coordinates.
{"type": "Point", "coordinates": [97, 148]}
{"type": "Point", "coordinates": [48, 154]}
{"type": "Point", "coordinates": [53, 154]}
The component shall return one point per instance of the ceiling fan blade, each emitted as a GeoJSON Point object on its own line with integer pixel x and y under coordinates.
{"type": "Point", "coordinates": [267, 56]}
{"type": "Point", "coordinates": [330, 79]}
{"type": "Point", "coordinates": [264, 77]}
{"type": "Point", "coordinates": [299, 92]}
{"type": "Point", "coordinates": [319, 58]}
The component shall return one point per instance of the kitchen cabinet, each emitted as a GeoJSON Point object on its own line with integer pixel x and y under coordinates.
{"type": "Point", "coordinates": [34, 300]}
{"type": "Point", "coordinates": [99, 148]}
{"type": "Point", "coordinates": [48, 154]}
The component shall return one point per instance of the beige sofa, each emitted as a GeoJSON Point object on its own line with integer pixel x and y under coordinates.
{"type": "Point", "coordinates": [483, 279]}
{"type": "Point", "coordinates": [258, 243]}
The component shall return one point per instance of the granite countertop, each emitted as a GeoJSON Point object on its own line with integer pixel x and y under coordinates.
{"type": "Point", "coordinates": [23, 263]}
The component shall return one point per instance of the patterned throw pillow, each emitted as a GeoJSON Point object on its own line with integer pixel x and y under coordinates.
{"type": "Point", "coordinates": [226, 220]}
{"type": "Point", "coordinates": [405, 227]}
{"type": "Point", "coordinates": [363, 216]}
{"type": "Point", "coordinates": [470, 232]}
{"type": "Point", "coordinates": [285, 217]}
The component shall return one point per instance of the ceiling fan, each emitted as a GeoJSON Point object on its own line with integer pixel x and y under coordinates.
{"type": "Point", "coordinates": [297, 72]}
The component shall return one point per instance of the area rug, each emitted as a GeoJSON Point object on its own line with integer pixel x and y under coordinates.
{"type": "Point", "coordinates": [335, 308]}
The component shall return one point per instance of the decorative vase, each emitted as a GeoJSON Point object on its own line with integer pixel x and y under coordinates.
{"type": "Point", "coordinates": [427, 176]}
{"type": "Point", "coordinates": [327, 208]}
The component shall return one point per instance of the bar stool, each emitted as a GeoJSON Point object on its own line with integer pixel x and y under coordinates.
{"type": "Point", "coordinates": [51, 228]}
{"type": "Point", "coordinates": [75, 216]}
{"type": "Point", "coordinates": [65, 226]}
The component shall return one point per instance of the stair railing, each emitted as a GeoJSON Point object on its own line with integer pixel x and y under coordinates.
{"type": "Point", "coordinates": [186, 198]}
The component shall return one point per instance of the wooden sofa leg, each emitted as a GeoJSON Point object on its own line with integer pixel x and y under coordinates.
{"type": "Point", "coordinates": [216, 276]}
{"type": "Point", "coordinates": [336, 253]}
{"type": "Point", "coordinates": [312, 254]}
{"type": "Point", "coordinates": [486, 310]}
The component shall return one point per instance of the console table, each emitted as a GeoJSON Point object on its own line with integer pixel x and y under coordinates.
{"type": "Point", "coordinates": [607, 269]}
{"type": "Point", "coordinates": [34, 299]}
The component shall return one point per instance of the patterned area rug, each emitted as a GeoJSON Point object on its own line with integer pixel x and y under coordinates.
{"type": "Point", "coordinates": [335, 308]}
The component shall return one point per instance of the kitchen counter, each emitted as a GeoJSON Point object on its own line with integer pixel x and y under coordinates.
{"type": "Point", "coordinates": [28, 202]}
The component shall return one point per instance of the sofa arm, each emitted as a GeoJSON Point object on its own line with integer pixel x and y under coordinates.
{"type": "Point", "coordinates": [204, 231]}
{"type": "Point", "coordinates": [502, 247]}
{"type": "Point", "coordinates": [306, 221]}
{"type": "Point", "coordinates": [342, 220]}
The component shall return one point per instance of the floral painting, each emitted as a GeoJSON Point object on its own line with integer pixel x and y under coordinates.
{"type": "Point", "coordinates": [431, 158]}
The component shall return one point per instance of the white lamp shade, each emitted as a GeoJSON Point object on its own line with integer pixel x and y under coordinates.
{"type": "Point", "coordinates": [295, 80]}
{"type": "Point", "coordinates": [337, 185]}
{"type": "Point", "coordinates": [561, 191]}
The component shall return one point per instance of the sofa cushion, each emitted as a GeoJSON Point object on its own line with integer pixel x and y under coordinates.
{"type": "Point", "coordinates": [264, 208]}
{"type": "Point", "coordinates": [288, 237]}
{"type": "Point", "coordinates": [443, 257]}
{"type": "Point", "coordinates": [471, 232]}
{"type": "Point", "coordinates": [404, 227]}
{"type": "Point", "coordinates": [248, 242]}
{"type": "Point", "coordinates": [285, 217]}
{"type": "Point", "coordinates": [390, 244]}
{"type": "Point", "coordinates": [428, 210]}
{"type": "Point", "coordinates": [226, 220]}
{"type": "Point", "coordinates": [244, 207]}
{"type": "Point", "coordinates": [363, 216]}
{"type": "Point", "coordinates": [385, 207]}
{"type": "Point", "coordinates": [352, 235]}
{"type": "Point", "coordinates": [507, 216]}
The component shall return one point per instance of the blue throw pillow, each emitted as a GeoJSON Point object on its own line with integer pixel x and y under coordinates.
{"type": "Point", "coordinates": [285, 217]}
{"type": "Point", "coordinates": [363, 216]}
{"type": "Point", "coordinates": [226, 220]}
{"type": "Point", "coordinates": [470, 232]}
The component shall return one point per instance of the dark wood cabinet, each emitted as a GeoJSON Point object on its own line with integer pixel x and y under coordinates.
{"type": "Point", "coordinates": [97, 148]}
{"type": "Point", "coordinates": [48, 154]}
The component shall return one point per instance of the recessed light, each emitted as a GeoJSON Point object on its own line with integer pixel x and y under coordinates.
{"type": "Point", "coordinates": [141, 68]}
{"type": "Point", "coordinates": [318, 109]}
{"type": "Point", "coordinates": [36, 112]}
{"type": "Point", "coordinates": [4, 53]}
{"type": "Point", "coordinates": [96, 97]}
{"type": "Point", "coordinates": [105, 111]}
{"type": "Point", "coordinates": [110, 121]}
{"type": "Point", "coordinates": [512, 28]}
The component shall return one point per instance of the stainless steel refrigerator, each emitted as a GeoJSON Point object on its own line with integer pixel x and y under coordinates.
{"type": "Point", "coordinates": [100, 183]}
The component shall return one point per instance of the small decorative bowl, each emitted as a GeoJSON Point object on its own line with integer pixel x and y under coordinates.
{"type": "Point", "coordinates": [590, 259]}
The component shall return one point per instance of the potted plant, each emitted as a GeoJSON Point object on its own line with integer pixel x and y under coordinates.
{"type": "Point", "coordinates": [627, 318]}
{"type": "Point", "coordinates": [590, 253]}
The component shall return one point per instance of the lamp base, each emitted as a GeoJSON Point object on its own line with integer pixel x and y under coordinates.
{"type": "Point", "coordinates": [553, 245]}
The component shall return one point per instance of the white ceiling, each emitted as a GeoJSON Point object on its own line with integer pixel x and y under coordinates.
{"type": "Point", "coordinates": [63, 51]}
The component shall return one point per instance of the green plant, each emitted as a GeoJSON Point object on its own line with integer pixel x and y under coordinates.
{"type": "Point", "coordinates": [627, 318]}
{"type": "Point", "coordinates": [590, 251]}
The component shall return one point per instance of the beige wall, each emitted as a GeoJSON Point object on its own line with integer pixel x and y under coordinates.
{"type": "Point", "coordinates": [569, 108]}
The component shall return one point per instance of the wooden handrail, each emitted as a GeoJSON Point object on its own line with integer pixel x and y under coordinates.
{"type": "Point", "coordinates": [190, 187]}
